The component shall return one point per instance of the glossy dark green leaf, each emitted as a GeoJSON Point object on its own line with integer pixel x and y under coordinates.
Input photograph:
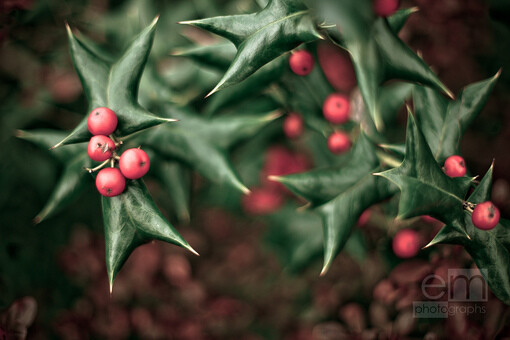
{"type": "Point", "coordinates": [253, 86]}
{"type": "Point", "coordinates": [74, 178]}
{"type": "Point", "coordinates": [425, 189]}
{"type": "Point", "coordinates": [340, 195]}
{"type": "Point", "coordinates": [113, 85]}
{"type": "Point", "coordinates": [398, 20]}
{"type": "Point", "coordinates": [490, 249]}
{"type": "Point", "coordinates": [130, 220]}
{"type": "Point", "coordinates": [203, 142]}
{"type": "Point", "coordinates": [377, 52]}
{"type": "Point", "coordinates": [443, 122]}
{"type": "Point", "coordinates": [261, 37]}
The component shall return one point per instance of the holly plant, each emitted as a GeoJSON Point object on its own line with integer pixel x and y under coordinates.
{"type": "Point", "coordinates": [204, 129]}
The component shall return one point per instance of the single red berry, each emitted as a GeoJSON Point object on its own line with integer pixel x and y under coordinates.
{"type": "Point", "coordinates": [100, 148]}
{"type": "Point", "coordinates": [337, 66]}
{"type": "Point", "coordinates": [110, 182]}
{"type": "Point", "coordinates": [406, 243]}
{"type": "Point", "coordinates": [385, 8]}
{"type": "Point", "coordinates": [134, 163]}
{"type": "Point", "coordinates": [102, 121]}
{"type": "Point", "coordinates": [339, 142]}
{"type": "Point", "coordinates": [293, 125]}
{"type": "Point", "coordinates": [455, 166]}
{"type": "Point", "coordinates": [364, 218]}
{"type": "Point", "coordinates": [301, 62]}
{"type": "Point", "coordinates": [485, 215]}
{"type": "Point", "coordinates": [262, 201]}
{"type": "Point", "coordinates": [336, 108]}
{"type": "Point", "coordinates": [429, 219]}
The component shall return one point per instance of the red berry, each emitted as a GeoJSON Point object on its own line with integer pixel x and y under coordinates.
{"type": "Point", "coordinates": [102, 121]}
{"type": "Point", "coordinates": [385, 8]}
{"type": "Point", "coordinates": [455, 166]}
{"type": "Point", "coordinates": [336, 108]}
{"type": "Point", "coordinates": [301, 62]}
{"type": "Point", "coordinates": [100, 148]}
{"type": "Point", "coordinates": [339, 142]}
{"type": "Point", "coordinates": [110, 182]}
{"type": "Point", "coordinates": [406, 243]}
{"type": "Point", "coordinates": [262, 201]}
{"type": "Point", "coordinates": [293, 125]}
{"type": "Point", "coordinates": [429, 219]}
{"type": "Point", "coordinates": [485, 215]}
{"type": "Point", "coordinates": [364, 218]}
{"type": "Point", "coordinates": [134, 163]}
{"type": "Point", "coordinates": [337, 66]}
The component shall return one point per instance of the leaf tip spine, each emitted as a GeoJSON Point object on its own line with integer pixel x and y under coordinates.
{"type": "Point", "coordinates": [154, 21]}
{"type": "Point", "coordinates": [192, 250]}
{"type": "Point", "coordinates": [275, 178]}
{"type": "Point", "coordinates": [496, 76]}
{"type": "Point", "coordinates": [324, 270]}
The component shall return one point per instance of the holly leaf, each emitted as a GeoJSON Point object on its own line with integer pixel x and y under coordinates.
{"type": "Point", "coordinates": [341, 194]}
{"type": "Point", "coordinates": [113, 85]}
{"type": "Point", "coordinates": [74, 178]}
{"type": "Point", "coordinates": [398, 20]}
{"type": "Point", "coordinates": [203, 142]}
{"type": "Point", "coordinates": [130, 220]}
{"type": "Point", "coordinates": [489, 249]}
{"type": "Point", "coordinates": [443, 122]}
{"type": "Point", "coordinates": [425, 189]}
{"type": "Point", "coordinates": [260, 37]}
{"type": "Point", "coordinates": [377, 52]}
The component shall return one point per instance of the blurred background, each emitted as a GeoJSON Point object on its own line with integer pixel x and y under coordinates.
{"type": "Point", "coordinates": [258, 274]}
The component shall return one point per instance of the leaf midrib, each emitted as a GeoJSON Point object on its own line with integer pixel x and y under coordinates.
{"type": "Point", "coordinates": [277, 21]}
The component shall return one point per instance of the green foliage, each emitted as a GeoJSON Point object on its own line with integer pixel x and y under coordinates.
{"type": "Point", "coordinates": [489, 249]}
{"type": "Point", "coordinates": [261, 37]}
{"type": "Point", "coordinates": [341, 194]}
{"type": "Point", "coordinates": [130, 220]}
{"type": "Point", "coordinates": [377, 52]}
{"type": "Point", "coordinates": [251, 70]}
{"type": "Point", "coordinates": [113, 85]}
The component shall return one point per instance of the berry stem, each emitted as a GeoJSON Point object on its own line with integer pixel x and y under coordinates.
{"type": "Point", "coordinates": [468, 206]}
{"type": "Point", "coordinates": [91, 170]}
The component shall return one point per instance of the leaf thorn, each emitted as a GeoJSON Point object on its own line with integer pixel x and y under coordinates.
{"type": "Point", "coordinates": [275, 178]}
{"type": "Point", "coordinates": [192, 250]}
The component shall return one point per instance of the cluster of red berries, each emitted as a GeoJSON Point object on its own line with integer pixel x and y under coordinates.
{"type": "Point", "coordinates": [133, 163]}
{"type": "Point", "coordinates": [335, 108]}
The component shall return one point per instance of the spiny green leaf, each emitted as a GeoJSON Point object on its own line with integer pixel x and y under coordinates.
{"type": "Point", "coordinates": [113, 85]}
{"type": "Point", "coordinates": [490, 249]}
{"type": "Point", "coordinates": [323, 185]}
{"type": "Point", "coordinates": [398, 20]}
{"type": "Point", "coordinates": [74, 178]}
{"type": "Point", "coordinates": [425, 189]}
{"type": "Point", "coordinates": [253, 86]}
{"type": "Point", "coordinates": [443, 122]}
{"type": "Point", "coordinates": [260, 37]}
{"type": "Point", "coordinates": [340, 195]}
{"type": "Point", "coordinates": [377, 52]}
{"type": "Point", "coordinates": [203, 142]}
{"type": "Point", "coordinates": [130, 220]}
